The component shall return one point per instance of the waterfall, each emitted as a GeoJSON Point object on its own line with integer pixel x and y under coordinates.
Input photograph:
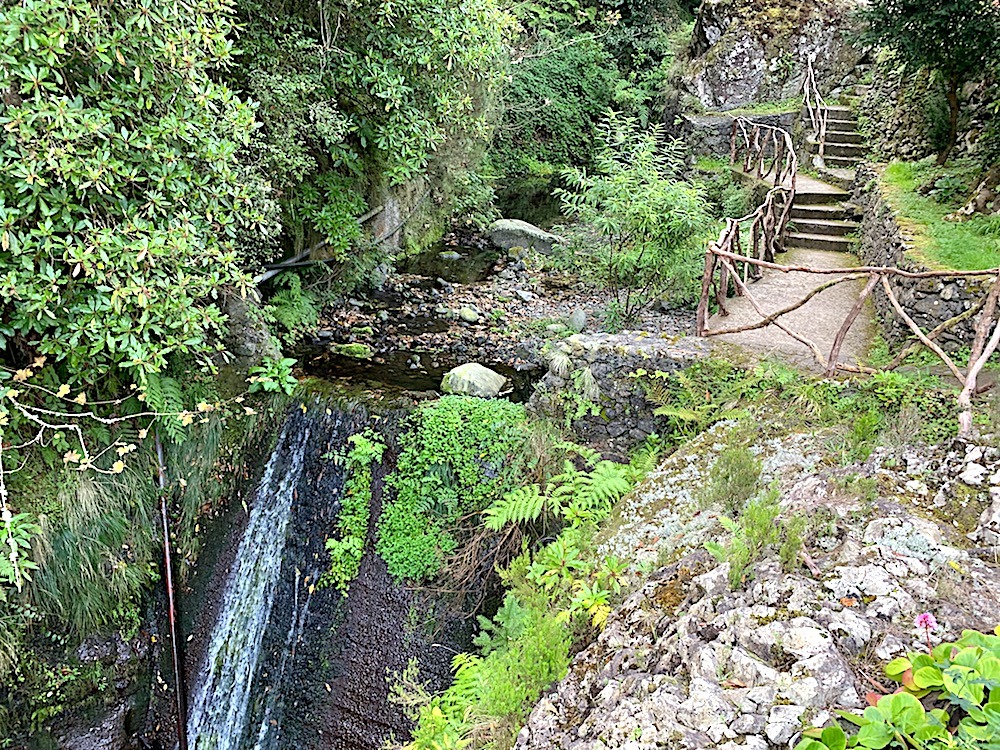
{"type": "Point", "coordinates": [218, 713]}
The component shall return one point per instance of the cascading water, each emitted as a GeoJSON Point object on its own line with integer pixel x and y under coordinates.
{"type": "Point", "coordinates": [281, 664]}
{"type": "Point", "coordinates": [218, 713]}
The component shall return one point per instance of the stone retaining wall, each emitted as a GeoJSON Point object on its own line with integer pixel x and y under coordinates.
{"type": "Point", "coordinates": [588, 384]}
{"type": "Point", "coordinates": [929, 302]}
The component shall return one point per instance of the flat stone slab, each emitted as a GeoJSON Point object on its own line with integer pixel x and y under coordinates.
{"type": "Point", "coordinates": [818, 320]}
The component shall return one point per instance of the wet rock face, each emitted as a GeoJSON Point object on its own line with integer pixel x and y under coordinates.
{"type": "Point", "coordinates": [745, 52]}
{"type": "Point", "coordinates": [686, 662]}
{"type": "Point", "coordinates": [113, 723]}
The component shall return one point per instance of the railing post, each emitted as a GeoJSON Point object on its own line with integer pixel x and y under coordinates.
{"type": "Point", "coordinates": [168, 577]}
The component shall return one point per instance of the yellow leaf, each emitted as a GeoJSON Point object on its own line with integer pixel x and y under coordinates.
{"type": "Point", "coordinates": [71, 457]}
{"type": "Point", "coordinates": [138, 76]}
{"type": "Point", "coordinates": [204, 406]}
{"type": "Point", "coordinates": [958, 568]}
{"type": "Point", "coordinates": [182, 482]}
{"type": "Point", "coordinates": [39, 361]}
{"type": "Point", "coordinates": [21, 375]}
{"type": "Point", "coordinates": [80, 399]}
{"type": "Point", "coordinates": [141, 397]}
{"type": "Point", "coordinates": [118, 56]}
{"type": "Point", "coordinates": [186, 418]}
{"type": "Point", "coordinates": [142, 434]}
{"type": "Point", "coordinates": [117, 467]}
{"type": "Point", "coordinates": [303, 407]}
{"type": "Point", "coordinates": [63, 391]}
{"type": "Point", "coordinates": [13, 393]}
{"type": "Point", "coordinates": [248, 411]}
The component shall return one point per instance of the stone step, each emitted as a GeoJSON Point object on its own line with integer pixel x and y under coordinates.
{"type": "Point", "coordinates": [839, 112]}
{"type": "Point", "coordinates": [806, 197]}
{"type": "Point", "coordinates": [844, 136]}
{"type": "Point", "coordinates": [819, 242]}
{"type": "Point", "coordinates": [836, 149]}
{"type": "Point", "coordinates": [820, 212]}
{"type": "Point", "coordinates": [834, 227]}
{"type": "Point", "coordinates": [845, 162]}
{"type": "Point", "coordinates": [841, 126]}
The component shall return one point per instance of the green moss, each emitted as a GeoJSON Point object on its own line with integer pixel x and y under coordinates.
{"type": "Point", "coordinates": [355, 350]}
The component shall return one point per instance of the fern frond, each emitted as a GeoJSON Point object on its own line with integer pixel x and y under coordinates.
{"type": "Point", "coordinates": [520, 505]}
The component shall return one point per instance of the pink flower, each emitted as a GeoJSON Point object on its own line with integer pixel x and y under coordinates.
{"type": "Point", "coordinates": [926, 621]}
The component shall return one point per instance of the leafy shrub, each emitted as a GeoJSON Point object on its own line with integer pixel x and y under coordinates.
{"type": "Point", "coordinates": [273, 376]}
{"type": "Point", "coordinates": [648, 218]}
{"type": "Point", "coordinates": [460, 454]}
{"type": "Point", "coordinates": [121, 193]}
{"type": "Point", "coordinates": [553, 105]}
{"type": "Point", "coordinates": [347, 550]}
{"type": "Point", "coordinates": [960, 677]}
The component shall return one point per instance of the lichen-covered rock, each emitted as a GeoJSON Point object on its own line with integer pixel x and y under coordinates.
{"type": "Point", "coordinates": [511, 233]}
{"type": "Point", "coordinates": [472, 379]}
{"type": "Point", "coordinates": [686, 662]}
{"type": "Point", "coordinates": [746, 51]}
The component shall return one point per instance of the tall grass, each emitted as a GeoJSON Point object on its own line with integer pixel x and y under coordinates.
{"type": "Point", "coordinates": [94, 565]}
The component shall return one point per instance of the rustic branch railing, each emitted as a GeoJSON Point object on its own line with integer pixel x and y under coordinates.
{"type": "Point", "coordinates": [818, 112]}
{"type": "Point", "coordinates": [765, 153]}
{"type": "Point", "coordinates": [985, 342]}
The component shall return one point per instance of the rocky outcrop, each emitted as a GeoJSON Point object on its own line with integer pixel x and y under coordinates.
{"type": "Point", "coordinates": [472, 379]}
{"type": "Point", "coordinates": [587, 385]}
{"type": "Point", "coordinates": [510, 233]}
{"type": "Point", "coordinates": [687, 662]}
{"type": "Point", "coordinates": [744, 52]}
{"type": "Point", "coordinates": [928, 301]}
{"type": "Point", "coordinates": [709, 134]}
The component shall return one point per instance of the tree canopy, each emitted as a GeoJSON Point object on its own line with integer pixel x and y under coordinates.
{"type": "Point", "coordinates": [956, 38]}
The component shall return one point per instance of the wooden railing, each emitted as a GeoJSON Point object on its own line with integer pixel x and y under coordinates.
{"type": "Point", "coordinates": [818, 112]}
{"type": "Point", "coordinates": [983, 345]}
{"type": "Point", "coordinates": [765, 153]}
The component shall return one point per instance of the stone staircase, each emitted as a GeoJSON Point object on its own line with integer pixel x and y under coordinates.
{"type": "Point", "coordinates": [818, 218]}
{"type": "Point", "coordinates": [844, 144]}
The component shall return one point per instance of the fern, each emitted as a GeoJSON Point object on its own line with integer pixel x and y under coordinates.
{"type": "Point", "coordinates": [293, 307]}
{"type": "Point", "coordinates": [165, 395]}
{"type": "Point", "coordinates": [520, 505]}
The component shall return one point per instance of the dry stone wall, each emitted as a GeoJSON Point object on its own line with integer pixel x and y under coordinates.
{"type": "Point", "coordinates": [929, 302]}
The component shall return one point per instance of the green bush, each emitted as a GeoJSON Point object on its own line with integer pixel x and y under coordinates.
{"type": "Point", "coordinates": [121, 192]}
{"type": "Point", "coordinates": [733, 479]}
{"type": "Point", "coordinates": [460, 455]}
{"type": "Point", "coordinates": [649, 220]}
{"type": "Point", "coordinates": [553, 105]}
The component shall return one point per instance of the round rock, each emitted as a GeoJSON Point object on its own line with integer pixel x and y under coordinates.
{"type": "Point", "coordinates": [472, 379]}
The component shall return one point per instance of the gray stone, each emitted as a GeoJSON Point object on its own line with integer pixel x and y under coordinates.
{"type": "Point", "coordinates": [468, 315]}
{"type": "Point", "coordinates": [472, 379]}
{"type": "Point", "coordinates": [511, 233]}
{"type": "Point", "coordinates": [524, 295]}
{"type": "Point", "coordinates": [783, 722]}
{"type": "Point", "coordinates": [974, 474]}
{"type": "Point", "coordinates": [577, 320]}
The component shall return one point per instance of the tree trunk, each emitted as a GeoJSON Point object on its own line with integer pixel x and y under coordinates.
{"type": "Point", "coordinates": [952, 95]}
